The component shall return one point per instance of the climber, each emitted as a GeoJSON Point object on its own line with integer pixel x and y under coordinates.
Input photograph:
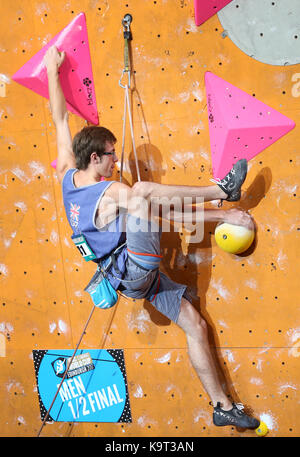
{"type": "Point", "coordinates": [131, 237]}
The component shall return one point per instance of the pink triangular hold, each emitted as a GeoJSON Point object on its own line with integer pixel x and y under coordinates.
{"type": "Point", "coordinates": [204, 9]}
{"type": "Point", "coordinates": [240, 126]}
{"type": "Point", "coordinates": [76, 74]}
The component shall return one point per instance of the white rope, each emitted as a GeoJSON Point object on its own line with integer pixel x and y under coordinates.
{"type": "Point", "coordinates": [127, 107]}
{"type": "Point", "coordinates": [123, 139]}
{"type": "Point", "coordinates": [132, 135]}
{"type": "Point", "coordinates": [67, 368]}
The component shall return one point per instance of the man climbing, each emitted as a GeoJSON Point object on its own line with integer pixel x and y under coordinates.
{"type": "Point", "coordinates": [116, 226]}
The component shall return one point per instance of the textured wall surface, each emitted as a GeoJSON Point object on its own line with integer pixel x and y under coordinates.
{"type": "Point", "coordinates": [251, 302]}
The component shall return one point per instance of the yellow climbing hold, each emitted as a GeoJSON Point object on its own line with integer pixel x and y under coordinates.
{"type": "Point", "coordinates": [234, 238]}
{"type": "Point", "coordinates": [262, 429]}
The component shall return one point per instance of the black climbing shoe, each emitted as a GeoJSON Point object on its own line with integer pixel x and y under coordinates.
{"type": "Point", "coordinates": [231, 184]}
{"type": "Point", "coordinates": [234, 416]}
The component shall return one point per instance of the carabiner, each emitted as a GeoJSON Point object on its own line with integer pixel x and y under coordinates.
{"type": "Point", "coordinates": [126, 21]}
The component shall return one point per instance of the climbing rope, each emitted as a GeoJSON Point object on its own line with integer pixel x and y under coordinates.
{"type": "Point", "coordinates": [70, 360]}
{"type": "Point", "coordinates": [66, 371]}
{"type": "Point", "coordinates": [126, 21]}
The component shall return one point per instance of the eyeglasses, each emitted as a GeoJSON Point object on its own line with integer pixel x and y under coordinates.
{"type": "Point", "coordinates": [109, 154]}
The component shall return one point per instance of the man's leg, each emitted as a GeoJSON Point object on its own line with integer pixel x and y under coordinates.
{"type": "Point", "coordinates": [195, 328]}
{"type": "Point", "coordinates": [153, 190]}
{"type": "Point", "coordinates": [229, 188]}
{"type": "Point", "coordinates": [200, 354]}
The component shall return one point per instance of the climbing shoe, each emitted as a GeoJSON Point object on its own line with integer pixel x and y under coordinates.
{"type": "Point", "coordinates": [231, 184]}
{"type": "Point", "coordinates": [234, 416]}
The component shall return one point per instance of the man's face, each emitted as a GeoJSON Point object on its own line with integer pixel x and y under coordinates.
{"type": "Point", "coordinates": [108, 160]}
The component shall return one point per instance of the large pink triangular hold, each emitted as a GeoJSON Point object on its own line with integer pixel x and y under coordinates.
{"type": "Point", "coordinates": [204, 9]}
{"type": "Point", "coordinates": [76, 74]}
{"type": "Point", "coordinates": [240, 126]}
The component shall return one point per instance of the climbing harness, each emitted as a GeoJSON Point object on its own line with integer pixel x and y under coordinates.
{"type": "Point", "coordinates": [105, 265]}
{"type": "Point", "coordinates": [126, 21]}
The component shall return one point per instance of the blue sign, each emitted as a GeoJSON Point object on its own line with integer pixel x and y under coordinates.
{"type": "Point", "coordinates": [94, 388]}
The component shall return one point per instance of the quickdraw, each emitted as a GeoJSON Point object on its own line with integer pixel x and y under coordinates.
{"type": "Point", "coordinates": [126, 21]}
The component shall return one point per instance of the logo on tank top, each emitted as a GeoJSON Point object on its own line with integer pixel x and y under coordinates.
{"type": "Point", "coordinates": [74, 214]}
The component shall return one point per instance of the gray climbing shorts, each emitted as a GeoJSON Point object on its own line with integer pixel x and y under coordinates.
{"type": "Point", "coordinates": [153, 285]}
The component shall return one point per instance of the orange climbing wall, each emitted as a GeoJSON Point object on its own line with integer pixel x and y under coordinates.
{"type": "Point", "coordinates": [251, 303]}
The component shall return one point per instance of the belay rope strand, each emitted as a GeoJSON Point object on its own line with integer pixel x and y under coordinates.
{"type": "Point", "coordinates": [126, 21]}
{"type": "Point", "coordinates": [73, 355]}
{"type": "Point", "coordinates": [66, 371]}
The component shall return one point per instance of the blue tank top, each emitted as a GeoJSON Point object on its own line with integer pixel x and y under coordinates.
{"type": "Point", "coordinates": [81, 204]}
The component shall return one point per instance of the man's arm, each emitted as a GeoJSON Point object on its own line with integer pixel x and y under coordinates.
{"type": "Point", "coordinates": [65, 160]}
{"type": "Point", "coordinates": [231, 216]}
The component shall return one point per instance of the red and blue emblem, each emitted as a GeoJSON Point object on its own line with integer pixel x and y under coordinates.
{"type": "Point", "coordinates": [74, 214]}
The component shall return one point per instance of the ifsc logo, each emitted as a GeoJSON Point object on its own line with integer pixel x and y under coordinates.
{"type": "Point", "coordinates": [59, 366]}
